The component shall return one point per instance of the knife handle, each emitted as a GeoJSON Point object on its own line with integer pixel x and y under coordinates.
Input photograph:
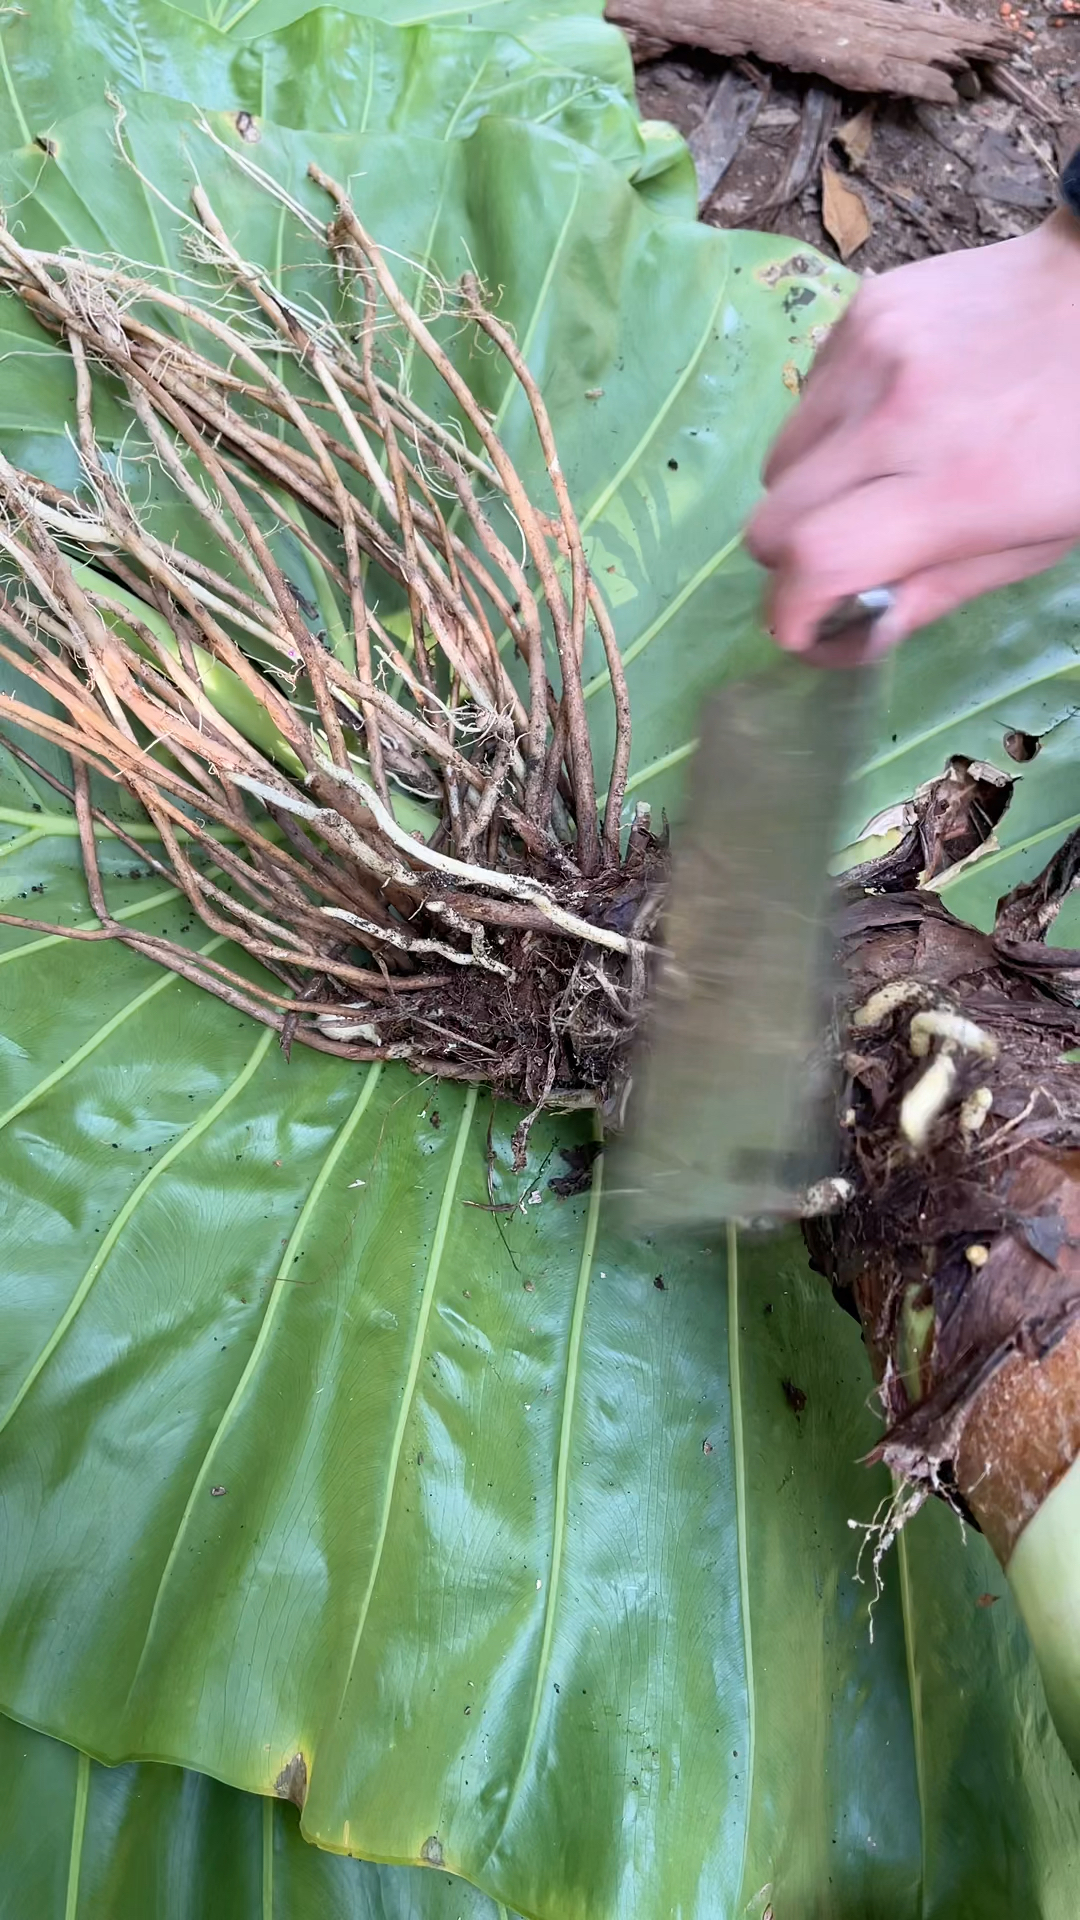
{"type": "Point", "coordinates": [844, 638]}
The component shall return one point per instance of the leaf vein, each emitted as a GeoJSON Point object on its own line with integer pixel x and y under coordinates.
{"type": "Point", "coordinates": [12, 93]}
{"type": "Point", "coordinates": [153, 901]}
{"type": "Point", "coordinates": [78, 1835]}
{"type": "Point", "coordinates": [276, 1295]}
{"type": "Point", "coordinates": [169, 1157]}
{"type": "Point", "coordinates": [671, 608]}
{"type": "Point", "coordinates": [739, 1451]}
{"type": "Point", "coordinates": [561, 1504]}
{"type": "Point", "coordinates": [427, 1297]}
{"type": "Point", "coordinates": [607, 494]}
{"type": "Point", "coordinates": [97, 1039]}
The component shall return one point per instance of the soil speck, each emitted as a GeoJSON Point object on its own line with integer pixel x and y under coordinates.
{"type": "Point", "coordinates": [794, 1396]}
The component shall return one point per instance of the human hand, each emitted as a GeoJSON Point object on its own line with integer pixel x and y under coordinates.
{"type": "Point", "coordinates": [937, 446]}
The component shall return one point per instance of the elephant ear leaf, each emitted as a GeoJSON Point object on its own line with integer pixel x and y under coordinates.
{"type": "Point", "coordinates": [361, 69]}
{"type": "Point", "coordinates": [334, 1452]}
{"type": "Point", "coordinates": [78, 1839]}
{"type": "Point", "coordinates": [245, 19]}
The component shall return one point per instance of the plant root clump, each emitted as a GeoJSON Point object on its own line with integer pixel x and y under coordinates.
{"type": "Point", "coordinates": [331, 644]}
{"type": "Point", "coordinates": [959, 1249]}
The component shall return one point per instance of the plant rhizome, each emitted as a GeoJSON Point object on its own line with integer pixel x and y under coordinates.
{"type": "Point", "coordinates": [378, 779]}
{"type": "Point", "coordinates": [959, 1101]}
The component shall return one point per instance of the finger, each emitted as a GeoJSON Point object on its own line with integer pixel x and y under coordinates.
{"type": "Point", "coordinates": [822, 408]}
{"type": "Point", "coordinates": [880, 534]}
{"type": "Point", "coordinates": [856, 454]}
{"type": "Point", "coordinates": [873, 536]}
{"type": "Point", "coordinates": [930, 595]}
{"type": "Point", "coordinates": [796, 605]}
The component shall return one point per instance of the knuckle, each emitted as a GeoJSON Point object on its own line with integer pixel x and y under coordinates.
{"type": "Point", "coordinates": [762, 537]}
{"type": "Point", "coordinates": [877, 323]}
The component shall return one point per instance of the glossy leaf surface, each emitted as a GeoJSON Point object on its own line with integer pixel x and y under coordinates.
{"type": "Point", "coordinates": [442, 1564]}
{"type": "Point", "coordinates": [339, 71]}
{"type": "Point", "coordinates": [244, 19]}
{"type": "Point", "coordinates": [80, 1841]}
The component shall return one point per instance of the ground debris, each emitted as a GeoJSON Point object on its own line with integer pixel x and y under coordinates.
{"type": "Point", "coordinates": [920, 166]}
{"type": "Point", "coordinates": [843, 212]}
{"type": "Point", "coordinates": [578, 1178]}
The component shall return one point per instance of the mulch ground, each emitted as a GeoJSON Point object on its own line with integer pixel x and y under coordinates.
{"type": "Point", "coordinates": [933, 178]}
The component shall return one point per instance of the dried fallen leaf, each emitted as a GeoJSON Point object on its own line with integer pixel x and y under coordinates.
{"type": "Point", "coordinates": [856, 135]}
{"type": "Point", "coordinates": [843, 213]}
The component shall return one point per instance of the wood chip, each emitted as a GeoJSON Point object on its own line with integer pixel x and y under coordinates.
{"type": "Point", "coordinates": [722, 129]}
{"type": "Point", "coordinates": [843, 213]}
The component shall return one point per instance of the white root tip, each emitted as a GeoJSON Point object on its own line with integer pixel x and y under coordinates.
{"type": "Point", "coordinates": [975, 1110]}
{"type": "Point", "coordinates": [926, 1100]}
{"type": "Point", "coordinates": [886, 1001]}
{"type": "Point", "coordinates": [940, 1023]}
{"type": "Point", "coordinates": [336, 1027]}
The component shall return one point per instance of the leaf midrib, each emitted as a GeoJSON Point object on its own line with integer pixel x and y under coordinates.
{"type": "Point", "coordinates": [276, 1295]}
{"type": "Point", "coordinates": [561, 1503]}
{"type": "Point", "coordinates": [427, 1297]}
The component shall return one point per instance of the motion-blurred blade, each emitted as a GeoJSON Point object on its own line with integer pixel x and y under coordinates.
{"type": "Point", "coordinates": [726, 1118]}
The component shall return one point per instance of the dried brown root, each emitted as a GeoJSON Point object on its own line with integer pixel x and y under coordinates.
{"type": "Point", "coordinates": [375, 806]}
{"type": "Point", "coordinates": [959, 1248]}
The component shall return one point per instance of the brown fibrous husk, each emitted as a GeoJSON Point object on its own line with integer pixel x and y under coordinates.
{"type": "Point", "coordinates": [959, 1247]}
{"type": "Point", "coordinates": [506, 941]}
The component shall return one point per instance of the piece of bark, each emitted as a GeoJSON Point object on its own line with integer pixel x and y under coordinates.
{"type": "Point", "coordinates": [723, 127]}
{"type": "Point", "coordinates": [1033, 99]}
{"type": "Point", "coordinates": [865, 46]}
{"type": "Point", "coordinates": [816, 122]}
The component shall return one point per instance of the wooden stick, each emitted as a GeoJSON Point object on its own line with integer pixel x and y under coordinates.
{"type": "Point", "coordinates": [866, 46]}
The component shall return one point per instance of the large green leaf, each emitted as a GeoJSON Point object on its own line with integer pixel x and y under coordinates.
{"type": "Point", "coordinates": [246, 18]}
{"type": "Point", "coordinates": [530, 1557]}
{"type": "Point", "coordinates": [341, 71]}
{"type": "Point", "coordinates": [83, 1842]}
{"type": "Point", "coordinates": [429, 1579]}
